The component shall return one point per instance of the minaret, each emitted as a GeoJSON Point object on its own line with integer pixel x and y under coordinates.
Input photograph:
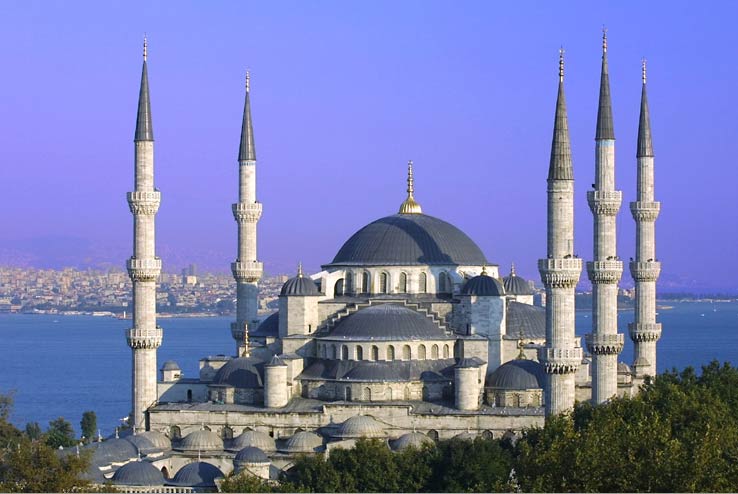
{"type": "Point", "coordinates": [605, 343]}
{"type": "Point", "coordinates": [645, 331]}
{"type": "Point", "coordinates": [560, 270]}
{"type": "Point", "coordinates": [144, 267]}
{"type": "Point", "coordinates": [247, 211]}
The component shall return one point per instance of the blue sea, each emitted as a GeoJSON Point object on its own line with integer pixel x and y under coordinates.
{"type": "Point", "coordinates": [65, 365]}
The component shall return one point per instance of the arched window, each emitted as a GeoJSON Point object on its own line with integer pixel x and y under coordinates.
{"type": "Point", "coordinates": [338, 288]}
{"type": "Point", "coordinates": [375, 352]}
{"type": "Point", "coordinates": [365, 282]}
{"type": "Point", "coordinates": [444, 282]}
{"type": "Point", "coordinates": [434, 352]}
{"type": "Point", "coordinates": [446, 351]}
{"type": "Point", "coordinates": [433, 434]}
{"type": "Point", "coordinates": [226, 433]}
{"type": "Point", "coordinates": [421, 352]}
{"type": "Point", "coordinates": [175, 432]}
{"type": "Point", "coordinates": [189, 395]}
{"type": "Point", "coordinates": [390, 353]}
{"type": "Point", "coordinates": [383, 283]}
{"type": "Point", "coordinates": [165, 472]}
{"type": "Point", "coordinates": [344, 352]}
{"type": "Point", "coordinates": [359, 353]}
{"type": "Point", "coordinates": [347, 393]}
{"type": "Point", "coordinates": [388, 394]}
{"type": "Point", "coordinates": [423, 283]}
{"type": "Point", "coordinates": [402, 286]}
{"type": "Point", "coordinates": [334, 352]}
{"type": "Point", "coordinates": [348, 286]}
{"type": "Point", "coordinates": [407, 393]}
{"type": "Point", "coordinates": [367, 394]}
{"type": "Point", "coordinates": [406, 355]}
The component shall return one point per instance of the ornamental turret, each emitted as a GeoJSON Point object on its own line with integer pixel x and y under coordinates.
{"type": "Point", "coordinates": [247, 270]}
{"type": "Point", "coordinates": [605, 270]}
{"type": "Point", "coordinates": [560, 270]}
{"type": "Point", "coordinates": [144, 267]}
{"type": "Point", "coordinates": [645, 269]}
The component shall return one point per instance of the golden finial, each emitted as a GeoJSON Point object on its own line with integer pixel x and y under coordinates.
{"type": "Point", "coordinates": [604, 39]}
{"type": "Point", "coordinates": [512, 269]}
{"type": "Point", "coordinates": [643, 70]}
{"type": "Point", "coordinates": [484, 270]}
{"type": "Point", "coordinates": [410, 206]}
{"type": "Point", "coordinates": [248, 81]}
{"type": "Point", "coordinates": [521, 345]}
{"type": "Point", "coordinates": [561, 64]}
{"type": "Point", "coordinates": [299, 269]}
{"type": "Point", "coordinates": [146, 47]}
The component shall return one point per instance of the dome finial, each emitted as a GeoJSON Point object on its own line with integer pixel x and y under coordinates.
{"type": "Point", "coordinates": [561, 64]}
{"type": "Point", "coordinates": [643, 70]}
{"type": "Point", "coordinates": [484, 270]}
{"type": "Point", "coordinates": [521, 345]}
{"type": "Point", "coordinates": [410, 206]}
{"type": "Point", "coordinates": [146, 47]}
{"type": "Point", "coordinates": [512, 269]}
{"type": "Point", "coordinates": [299, 269]}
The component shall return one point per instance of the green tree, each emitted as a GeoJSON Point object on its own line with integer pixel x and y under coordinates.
{"type": "Point", "coordinates": [36, 467]}
{"type": "Point", "coordinates": [482, 465]}
{"type": "Point", "coordinates": [60, 433]}
{"type": "Point", "coordinates": [33, 431]}
{"type": "Point", "coordinates": [313, 474]}
{"type": "Point", "coordinates": [88, 425]}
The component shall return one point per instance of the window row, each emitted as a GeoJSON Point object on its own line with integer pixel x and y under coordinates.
{"type": "Point", "coordinates": [384, 283]}
{"type": "Point", "coordinates": [337, 351]}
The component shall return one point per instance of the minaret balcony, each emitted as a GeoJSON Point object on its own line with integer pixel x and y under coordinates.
{"type": "Point", "coordinates": [247, 272]}
{"type": "Point", "coordinates": [144, 202]}
{"type": "Point", "coordinates": [560, 273]}
{"type": "Point", "coordinates": [239, 330]}
{"type": "Point", "coordinates": [604, 202]}
{"type": "Point", "coordinates": [247, 212]}
{"type": "Point", "coordinates": [144, 269]}
{"type": "Point", "coordinates": [560, 360]}
{"type": "Point", "coordinates": [645, 211]}
{"type": "Point", "coordinates": [604, 344]}
{"type": "Point", "coordinates": [645, 271]}
{"type": "Point", "coordinates": [605, 272]}
{"type": "Point", "coordinates": [144, 338]}
{"type": "Point", "coordinates": [644, 332]}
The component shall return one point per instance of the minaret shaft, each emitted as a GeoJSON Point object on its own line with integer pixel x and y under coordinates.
{"type": "Point", "coordinates": [144, 267]}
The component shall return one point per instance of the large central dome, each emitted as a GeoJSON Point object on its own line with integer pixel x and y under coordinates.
{"type": "Point", "coordinates": [404, 239]}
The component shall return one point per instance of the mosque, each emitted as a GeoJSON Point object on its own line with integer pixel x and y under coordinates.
{"type": "Point", "coordinates": [409, 334]}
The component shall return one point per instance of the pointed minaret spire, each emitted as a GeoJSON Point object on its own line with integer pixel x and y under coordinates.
{"type": "Point", "coordinates": [247, 150]}
{"type": "Point", "coordinates": [560, 167]}
{"type": "Point", "coordinates": [605, 129]}
{"type": "Point", "coordinates": [144, 128]}
{"type": "Point", "coordinates": [645, 144]}
{"type": "Point", "coordinates": [410, 206]}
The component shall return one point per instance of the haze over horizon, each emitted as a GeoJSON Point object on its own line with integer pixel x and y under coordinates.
{"type": "Point", "coordinates": [343, 94]}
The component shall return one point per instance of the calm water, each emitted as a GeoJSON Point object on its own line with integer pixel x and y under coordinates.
{"type": "Point", "coordinates": [62, 366]}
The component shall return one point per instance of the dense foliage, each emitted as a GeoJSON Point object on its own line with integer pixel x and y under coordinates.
{"type": "Point", "coordinates": [88, 425]}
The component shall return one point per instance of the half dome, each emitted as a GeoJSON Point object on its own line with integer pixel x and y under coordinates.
{"type": "Point", "coordinates": [387, 322]}
{"type": "Point", "coordinates": [519, 374]}
{"type": "Point", "coordinates": [240, 372]}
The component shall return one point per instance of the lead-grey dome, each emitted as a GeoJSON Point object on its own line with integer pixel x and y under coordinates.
{"type": "Point", "coordinates": [302, 442]}
{"type": "Point", "coordinates": [255, 439]}
{"type": "Point", "coordinates": [411, 440]}
{"type": "Point", "coordinates": [526, 319]}
{"type": "Point", "coordinates": [516, 285]}
{"type": "Point", "coordinates": [251, 454]}
{"type": "Point", "coordinates": [483, 286]}
{"type": "Point", "coordinates": [143, 444]}
{"type": "Point", "coordinates": [267, 327]}
{"type": "Point", "coordinates": [113, 451]}
{"type": "Point", "coordinates": [197, 474]}
{"type": "Point", "coordinates": [242, 372]}
{"type": "Point", "coordinates": [517, 374]}
{"type": "Point", "coordinates": [170, 365]}
{"type": "Point", "coordinates": [159, 440]}
{"type": "Point", "coordinates": [140, 473]}
{"type": "Point", "coordinates": [387, 322]}
{"type": "Point", "coordinates": [406, 239]}
{"type": "Point", "coordinates": [203, 440]}
{"type": "Point", "coordinates": [299, 286]}
{"type": "Point", "coordinates": [360, 426]}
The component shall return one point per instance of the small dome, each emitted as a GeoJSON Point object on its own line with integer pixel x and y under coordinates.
{"type": "Point", "coordinates": [254, 439]}
{"type": "Point", "coordinates": [360, 426]}
{"type": "Point", "coordinates": [240, 372]}
{"type": "Point", "coordinates": [159, 440]}
{"type": "Point", "coordinates": [141, 473]}
{"type": "Point", "coordinates": [197, 474]}
{"type": "Point", "coordinates": [201, 441]}
{"type": "Point", "coordinates": [251, 455]}
{"type": "Point", "coordinates": [300, 285]}
{"type": "Point", "coordinates": [267, 327]}
{"type": "Point", "coordinates": [623, 368]}
{"type": "Point", "coordinates": [516, 285]}
{"type": "Point", "coordinates": [114, 451]}
{"type": "Point", "coordinates": [483, 286]}
{"type": "Point", "coordinates": [517, 374]}
{"type": "Point", "coordinates": [302, 442]}
{"type": "Point", "coordinates": [142, 444]}
{"type": "Point", "coordinates": [170, 365]}
{"type": "Point", "coordinates": [387, 322]}
{"type": "Point", "coordinates": [466, 436]}
{"type": "Point", "coordinates": [411, 440]}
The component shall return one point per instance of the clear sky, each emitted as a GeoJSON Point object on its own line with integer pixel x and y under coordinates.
{"type": "Point", "coordinates": [343, 94]}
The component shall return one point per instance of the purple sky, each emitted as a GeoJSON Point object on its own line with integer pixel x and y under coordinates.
{"type": "Point", "coordinates": [343, 94]}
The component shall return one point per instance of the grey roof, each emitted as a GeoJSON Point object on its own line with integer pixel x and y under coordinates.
{"type": "Point", "coordinates": [529, 319]}
{"type": "Point", "coordinates": [256, 439]}
{"type": "Point", "coordinates": [158, 439]}
{"type": "Point", "coordinates": [242, 372]}
{"type": "Point", "coordinates": [170, 365]}
{"type": "Point", "coordinates": [113, 451]}
{"type": "Point", "coordinates": [409, 239]}
{"type": "Point", "coordinates": [197, 474]}
{"type": "Point", "coordinates": [470, 363]}
{"type": "Point", "coordinates": [483, 286]}
{"type": "Point", "coordinates": [144, 127]}
{"type": "Point", "coordinates": [560, 166]}
{"type": "Point", "coordinates": [623, 368]}
{"type": "Point", "coordinates": [381, 371]}
{"type": "Point", "coordinates": [360, 426]}
{"type": "Point", "coordinates": [251, 454]}
{"type": "Point", "coordinates": [202, 440]}
{"type": "Point", "coordinates": [518, 374]}
{"type": "Point", "coordinates": [411, 440]}
{"type": "Point", "coordinates": [516, 285]}
{"type": "Point", "coordinates": [645, 141]}
{"type": "Point", "coordinates": [387, 322]}
{"type": "Point", "coordinates": [302, 442]}
{"type": "Point", "coordinates": [138, 473]}
{"type": "Point", "coordinates": [276, 362]}
{"type": "Point", "coordinates": [143, 444]}
{"type": "Point", "coordinates": [269, 327]}
{"type": "Point", "coordinates": [247, 150]}
{"type": "Point", "coordinates": [299, 285]}
{"type": "Point", "coordinates": [605, 128]}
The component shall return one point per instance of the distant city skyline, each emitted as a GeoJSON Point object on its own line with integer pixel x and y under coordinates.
{"type": "Point", "coordinates": [342, 96]}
